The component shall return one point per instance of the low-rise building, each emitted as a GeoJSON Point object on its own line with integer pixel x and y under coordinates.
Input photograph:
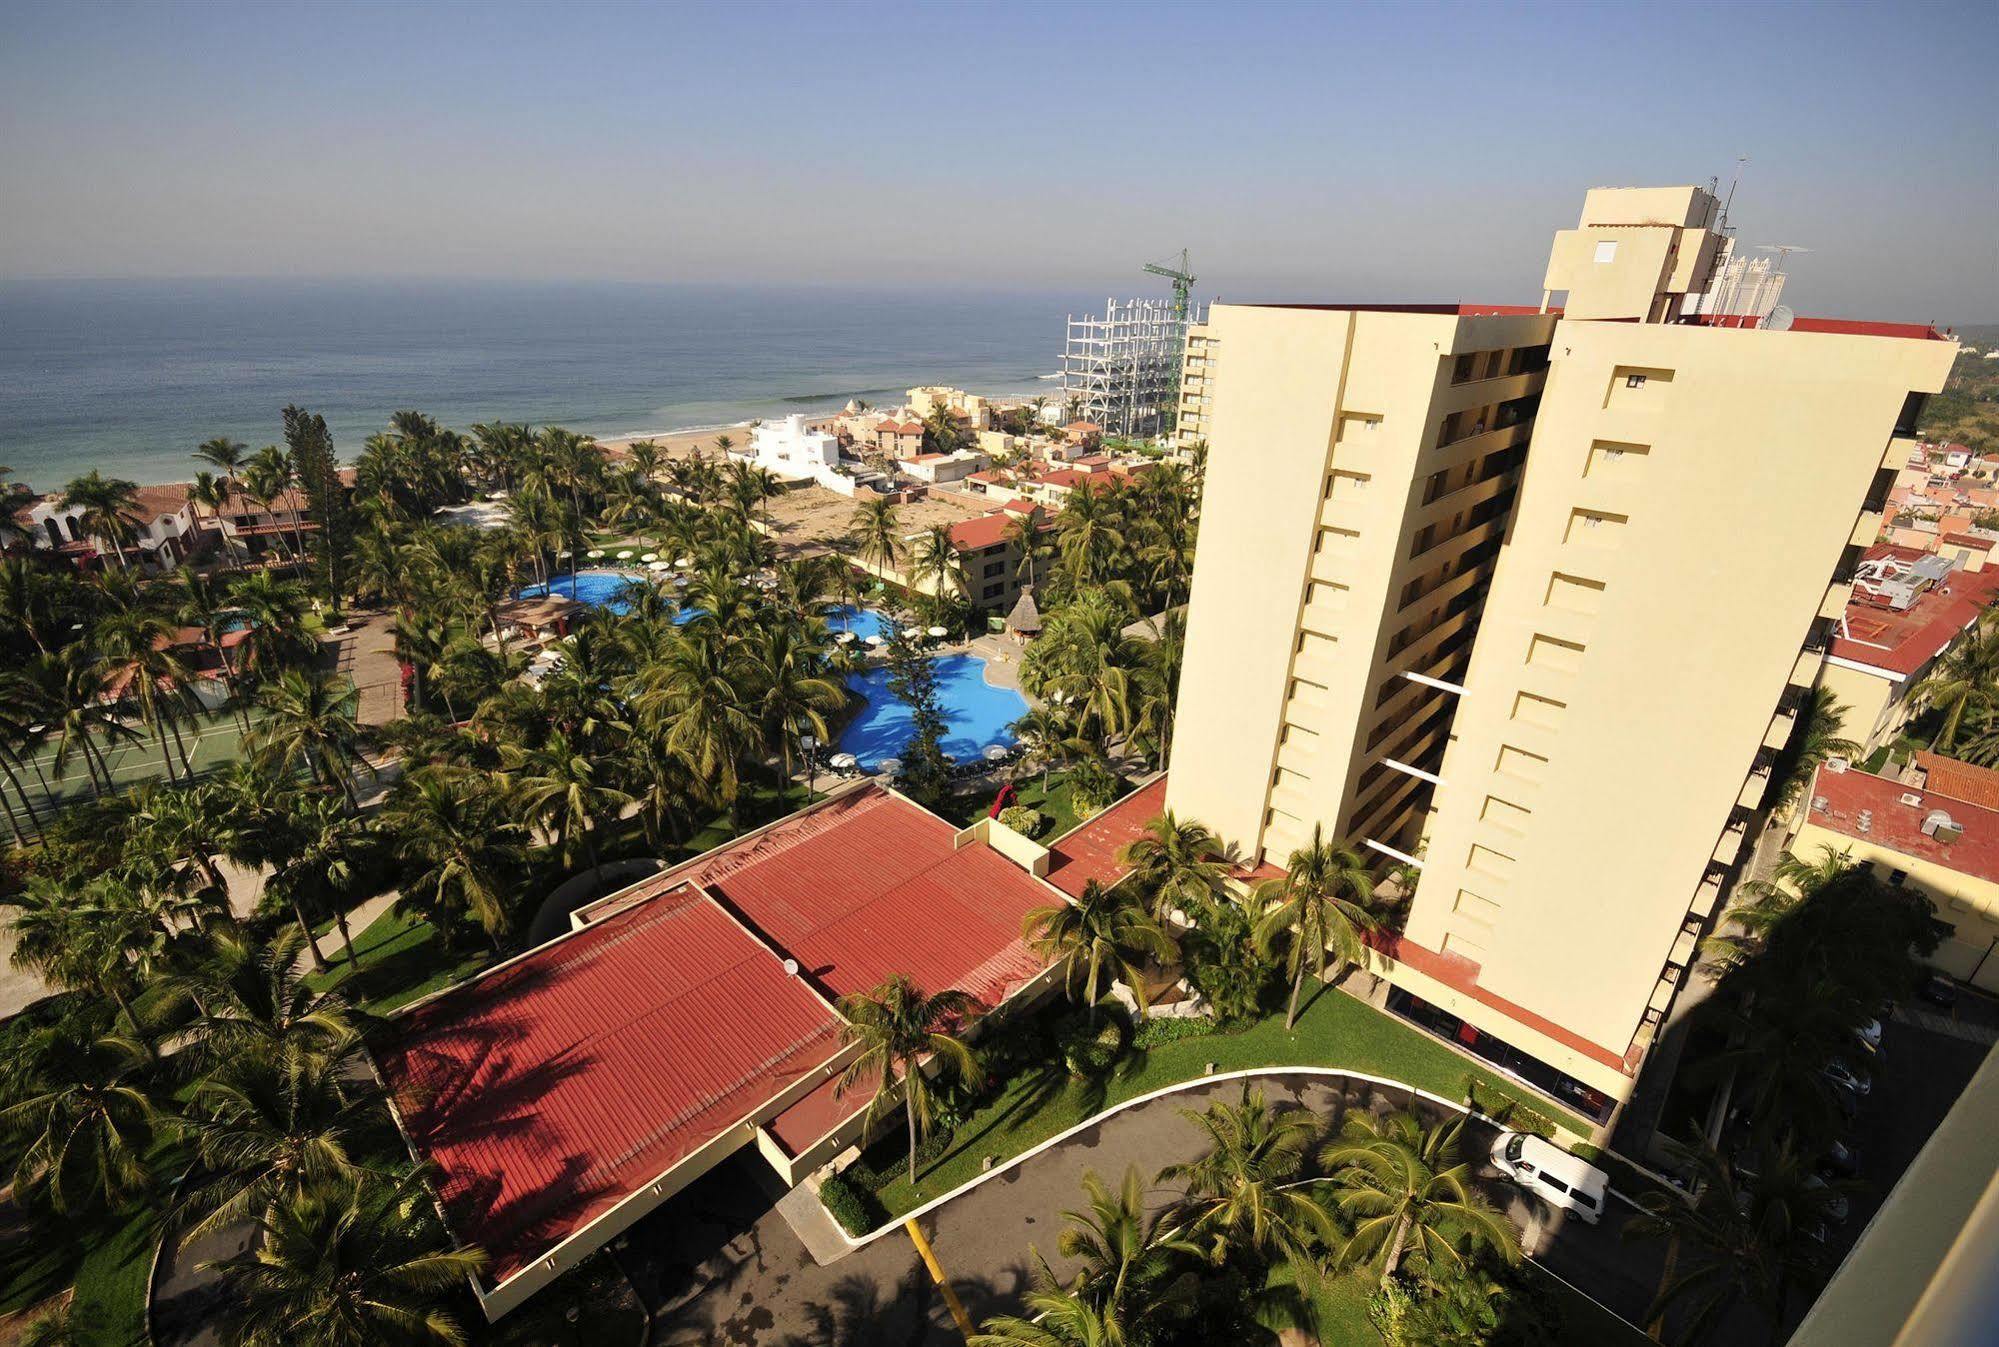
{"type": "Point", "coordinates": [1907, 608]}
{"type": "Point", "coordinates": [164, 527]}
{"type": "Point", "coordinates": [938, 469]}
{"type": "Point", "coordinates": [1916, 833]}
{"type": "Point", "coordinates": [925, 402]}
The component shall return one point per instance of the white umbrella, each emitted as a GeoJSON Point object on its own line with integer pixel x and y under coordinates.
{"type": "Point", "coordinates": [844, 637]}
{"type": "Point", "coordinates": [650, 557]}
{"type": "Point", "coordinates": [937, 632]}
{"type": "Point", "coordinates": [683, 562]}
{"type": "Point", "coordinates": [873, 640]}
{"type": "Point", "coordinates": [843, 761]}
{"type": "Point", "coordinates": [680, 580]}
{"type": "Point", "coordinates": [994, 752]}
{"type": "Point", "coordinates": [625, 555]}
{"type": "Point", "coordinates": [658, 566]}
{"type": "Point", "coordinates": [891, 766]}
{"type": "Point", "coordinates": [594, 553]}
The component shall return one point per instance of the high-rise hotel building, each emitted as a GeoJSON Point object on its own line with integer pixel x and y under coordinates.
{"type": "Point", "coordinates": [1531, 596]}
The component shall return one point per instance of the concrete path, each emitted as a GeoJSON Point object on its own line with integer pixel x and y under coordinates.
{"type": "Point", "coordinates": [358, 920]}
{"type": "Point", "coordinates": [719, 1264]}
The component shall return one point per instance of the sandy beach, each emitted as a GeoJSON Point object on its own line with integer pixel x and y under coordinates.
{"type": "Point", "coordinates": [683, 443]}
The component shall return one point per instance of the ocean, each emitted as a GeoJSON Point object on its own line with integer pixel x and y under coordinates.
{"type": "Point", "coordinates": [129, 376]}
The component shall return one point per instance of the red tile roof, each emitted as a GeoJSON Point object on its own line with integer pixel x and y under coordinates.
{"type": "Point", "coordinates": [1970, 540]}
{"type": "Point", "coordinates": [1959, 780]}
{"type": "Point", "coordinates": [1090, 849]}
{"type": "Point", "coordinates": [154, 501]}
{"type": "Point", "coordinates": [1065, 477]}
{"type": "Point", "coordinates": [1904, 642]}
{"type": "Point", "coordinates": [870, 885]}
{"type": "Point", "coordinates": [553, 1087]}
{"type": "Point", "coordinates": [1019, 506]}
{"type": "Point", "coordinates": [989, 530]}
{"type": "Point", "coordinates": [1898, 827]}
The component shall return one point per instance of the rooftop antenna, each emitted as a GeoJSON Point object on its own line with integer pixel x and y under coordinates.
{"type": "Point", "coordinates": [1783, 251]}
{"type": "Point", "coordinates": [1740, 161]}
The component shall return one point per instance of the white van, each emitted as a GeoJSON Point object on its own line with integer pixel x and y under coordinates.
{"type": "Point", "coordinates": [1551, 1173]}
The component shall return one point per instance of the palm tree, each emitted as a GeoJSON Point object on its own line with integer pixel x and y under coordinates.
{"type": "Point", "coordinates": [108, 508]}
{"type": "Point", "coordinates": [308, 721]}
{"type": "Point", "coordinates": [935, 559]}
{"type": "Point", "coordinates": [1103, 930]}
{"type": "Point", "coordinates": [787, 695]}
{"type": "Point", "coordinates": [559, 787]}
{"type": "Point", "coordinates": [446, 825]}
{"type": "Point", "coordinates": [1322, 906]}
{"type": "Point", "coordinates": [70, 694]}
{"type": "Point", "coordinates": [137, 648]}
{"type": "Point", "coordinates": [97, 938]}
{"type": "Point", "coordinates": [1046, 736]}
{"type": "Point", "coordinates": [1177, 864]}
{"type": "Point", "coordinates": [224, 453]}
{"type": "Point", "coordinates": [1057, 1317]}
{"type": "Point", "coordinates": [1023, 532]}
{"type": "Point", "coordinates": [1243, 1192]}
{"type": "Point", "coordinates": [897, 1027]}
{"type": "Point", "coordinates": [1965, 680]}
{"type": "Point", "coordinates": [1813, 739]}
{"type": "Point", "coordinates": [1410, 1195]}
{"type": "Point", "coordinates": [347, 1266]}
{"type": "Point", "coordinates": [1742, 1238]}
{"type": "Point", "coordinates": [877, 534]}
{"type": "Point", "coordinates": [211, 493]}
{"type": "Point", "coordinates": [83, 1109]}
{"type": "Point", "coordinates": [202, 604]}
{"type": "Point", "coordinates": [1131, 1261]}
{"type": "Point", "coordinates": [269, 1129]}
{"type": "Point", "coordinates": [274, 611]}
{"type": "Point", "coordinates": [32, 599]}
{"type": "Point", "coordinates": [252, 998]}
{"type": "Point", "coordinates": [695, 696]}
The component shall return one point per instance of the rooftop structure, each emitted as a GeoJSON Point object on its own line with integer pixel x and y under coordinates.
{"type": "Point", "coordinates": [1908, 608]}
{"type": "Point", "coordinates": [569, 1091]}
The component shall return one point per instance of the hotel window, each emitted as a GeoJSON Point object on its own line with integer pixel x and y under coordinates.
{"type": "Point", "coordinates": [993, 591]}
{"type": "Point", "coordinates": [1606, 251]}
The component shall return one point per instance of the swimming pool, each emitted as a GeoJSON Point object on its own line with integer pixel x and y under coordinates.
{"type": "Point", "coordinates": [599, 589]}
{"type": "Point", "coordinates": [863, 622]}
{"type": "Point", "coordinates": [975, 712]}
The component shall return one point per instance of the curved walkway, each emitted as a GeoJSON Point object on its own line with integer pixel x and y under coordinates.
{"type": "Point", "coordinates": [717, 1265]}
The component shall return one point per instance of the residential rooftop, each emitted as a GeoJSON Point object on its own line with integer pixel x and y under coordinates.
{"type": "Point", "coordinates": [1893, 815]}
{"type": "Point", "coordinates": [1914, 605]}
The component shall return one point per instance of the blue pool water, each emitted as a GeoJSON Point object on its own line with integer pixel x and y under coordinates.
{"type": "Point", "coordinates": [863, 622]}
{"type": "Point", "coordinates": [601, 589]}
{"type": "Point", "coordinates": [975, 712]}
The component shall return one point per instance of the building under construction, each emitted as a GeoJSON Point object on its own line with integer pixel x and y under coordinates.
{"type": "Point", "coordinates": [1121, 369]}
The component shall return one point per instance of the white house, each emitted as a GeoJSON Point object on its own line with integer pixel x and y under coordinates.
{"type": "Point", "coordinates": [941, 468]}
{"type": "Point", "coordinates": [164, 524]}
{"type": "Point", "coordinates": [791, 451]}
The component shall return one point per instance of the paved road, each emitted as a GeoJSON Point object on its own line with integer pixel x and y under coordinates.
{"type": "Point", "coordinates": [719, 1266]}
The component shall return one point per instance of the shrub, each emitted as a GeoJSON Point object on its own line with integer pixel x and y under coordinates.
{"type": "Point", "coordinates": [1023, 820]}
{"type": "Point", "coordinates": [857, 1212]}
{"type": "Point", "coordinates": [1508, 1112]}
{"type": "Point", "coordinates": [1088, 1051]}
{"type": "Point", "coordinates": [1157, 1032]}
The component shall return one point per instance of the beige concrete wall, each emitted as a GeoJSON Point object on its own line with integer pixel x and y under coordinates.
{"type": "Point", "coordinates": [1323, 457]}
{"type": "Point", "coordinates": [1671, 547]}
{"type": "Point", "coordinates": [1269, 437]}
{"type": "Point", "coordinates": [1874, 702]}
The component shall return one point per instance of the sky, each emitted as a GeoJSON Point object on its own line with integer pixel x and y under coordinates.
{"type": "Point", "coordinates": [1330, 152]}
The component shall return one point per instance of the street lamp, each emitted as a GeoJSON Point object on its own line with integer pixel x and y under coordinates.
{"type": "Point", "coordinates": [810, 744]}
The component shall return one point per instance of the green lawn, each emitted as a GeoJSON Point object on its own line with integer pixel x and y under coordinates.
{"type": "Point", "coordinates": [400, 960]}
{"type": "Point", "coordinates": [111, 1284]}
{"type": "Point", "coordinates": [1335, 1030]}
{"type": "Point", "coordinates": [1055, 804]}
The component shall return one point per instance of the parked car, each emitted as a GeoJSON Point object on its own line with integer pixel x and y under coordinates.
{"type": "Point", "coordinates": [1839, 1073]}
{"type": "Point", "coordinates": [1551, 1173]}
{"type": "Point", "coordinates": [1940, 991]}
{"type": "Point", "coordinates": [1869, 1035]}
{"type": "Point", "coordinates": [1841, 1160]}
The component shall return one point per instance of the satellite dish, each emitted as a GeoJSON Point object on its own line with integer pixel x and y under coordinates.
{"type": "Point", "coordinates": [791, 968]}
{"type": "Point", "coordinates": [1780, 319]}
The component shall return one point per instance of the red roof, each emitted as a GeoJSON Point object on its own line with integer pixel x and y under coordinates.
{"type": "Point", "coordinates": [870, 885]}
{"type": "Point", "coordinates": [1898, 827]}
{"type": "Point", "coordinates": [1090, 849]}
{"type": "Point", "coordinates": [556, 1085]}
{"type": "Point", "coordinates": [1019, 506]}
{"type": "Point", "coordinates": [1959, 780]}
{"type": "Point", "coordinates": [1904, 642]}
{"type": "Point", "coordinates": [988, 530]}
{"type": "Point", "coordinates": [1083, 427]}
{"type": "Point", "coordinates": [1970, 540]}
{"type": "Point", "coordinates": [1065, 477]}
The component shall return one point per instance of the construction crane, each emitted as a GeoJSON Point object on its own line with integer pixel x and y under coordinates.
{"type": "Point", "coordinates": [1183, 281]}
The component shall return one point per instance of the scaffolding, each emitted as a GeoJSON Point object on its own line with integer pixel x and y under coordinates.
{"type": "Point", "coordinates": [1122, 370]}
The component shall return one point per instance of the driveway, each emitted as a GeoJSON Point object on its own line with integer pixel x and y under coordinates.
{"type": "Point", "coordinates": [717, 1265]}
